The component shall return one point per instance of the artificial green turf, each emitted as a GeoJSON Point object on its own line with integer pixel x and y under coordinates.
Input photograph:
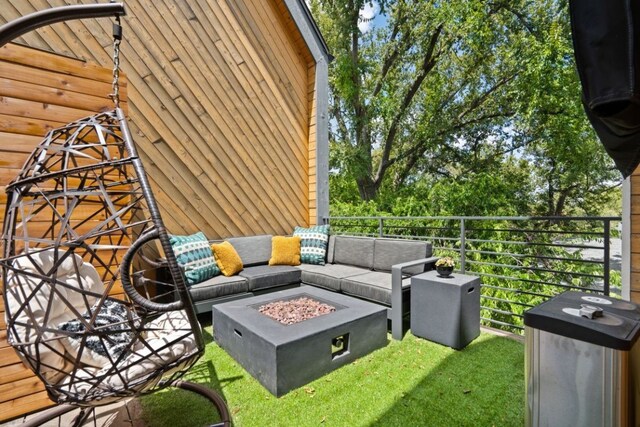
{"type": "Point", "coordinates": [412, 382]}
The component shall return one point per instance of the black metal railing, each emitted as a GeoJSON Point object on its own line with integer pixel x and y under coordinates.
{"type": "Point", "coordinates": [522, 260]}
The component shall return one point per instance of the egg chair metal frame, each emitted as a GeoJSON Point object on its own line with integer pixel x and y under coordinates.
{"type": "Point", "coordinates": [79, 218]}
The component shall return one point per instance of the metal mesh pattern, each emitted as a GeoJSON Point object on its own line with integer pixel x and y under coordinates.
{"type": "Point", "coordinates": [75, 217]}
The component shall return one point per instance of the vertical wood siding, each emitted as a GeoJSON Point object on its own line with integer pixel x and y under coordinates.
{"type": "Point", "coordinates": [221, 102]}
{"type": "Point", "coordinates": [38, 91]}
{"type": "Point", "coordinates": [635, 236]}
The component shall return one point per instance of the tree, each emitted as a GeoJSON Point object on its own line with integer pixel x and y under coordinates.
{"type": "Point", "coordinates": [444, 90]}
{"type": "Point", "coordinates": [436, 70]}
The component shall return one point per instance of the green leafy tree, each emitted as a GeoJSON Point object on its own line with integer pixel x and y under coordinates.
{"type": "Point", "coordinates": [443, 91]}
{"type": "Point", "coordinates": [437, 74]}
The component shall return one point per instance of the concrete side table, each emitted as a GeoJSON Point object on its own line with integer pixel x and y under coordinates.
{"type": "Point", "coordinates": [445, 310]}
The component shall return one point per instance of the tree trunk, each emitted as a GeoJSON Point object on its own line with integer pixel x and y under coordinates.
{"type": "Point", "coordinates": [368, 188]}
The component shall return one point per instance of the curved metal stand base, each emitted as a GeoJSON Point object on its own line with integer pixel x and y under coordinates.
{"type": "Point", "coordinates": [212, 396]}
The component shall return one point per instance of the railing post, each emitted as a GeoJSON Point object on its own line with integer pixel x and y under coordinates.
{"type": "Point", "coordinates": [607, 255]}
{"type": "Point", "coordinates": [380, 227]}
{"type": "Point", "coordinates": [462, 246]}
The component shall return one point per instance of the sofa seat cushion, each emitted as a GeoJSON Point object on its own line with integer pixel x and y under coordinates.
{"type": "Point", "coordinates": [219, 286]}
{"type": "Point", "coordinates": [265, 276]}
{"type": "Point", "coordinates": [374, 286]}
{"type": "Point", "coordinates": [328, 276]}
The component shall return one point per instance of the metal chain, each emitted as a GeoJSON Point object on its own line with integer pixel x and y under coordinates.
{"type": "Point", "coordinates": [117, 38]}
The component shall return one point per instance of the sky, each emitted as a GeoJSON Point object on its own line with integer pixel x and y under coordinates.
{"type": "Point", "coordinates": [368, 12]}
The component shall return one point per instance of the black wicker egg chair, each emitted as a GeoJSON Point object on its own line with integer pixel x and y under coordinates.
{"type": "Point", "coordinates": [79, 216]}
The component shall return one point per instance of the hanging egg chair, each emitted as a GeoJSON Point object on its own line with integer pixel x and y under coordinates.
{"type": "Point", "coordinates": [79, 218]}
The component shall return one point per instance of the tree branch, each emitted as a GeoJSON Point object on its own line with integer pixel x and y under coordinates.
{"type": "Point", "coordinates": [391, 58]}
{"type": "Point", "coordinates": [428, 63]}
{"type": "Point", "coordinates": [482, 98]}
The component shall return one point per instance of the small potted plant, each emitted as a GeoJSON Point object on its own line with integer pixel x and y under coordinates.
{"type": "Point", "coordinates": [444, 266]}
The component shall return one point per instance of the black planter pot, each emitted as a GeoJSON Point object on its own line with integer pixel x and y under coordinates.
{"type": "Point", "coordinates": [444, 271]}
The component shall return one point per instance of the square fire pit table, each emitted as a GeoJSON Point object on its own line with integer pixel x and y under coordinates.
{"type": "Point", "coordinates": [283, 357]}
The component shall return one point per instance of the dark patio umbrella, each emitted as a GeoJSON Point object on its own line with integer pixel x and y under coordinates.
{"type": "Point", "coordinates": [606, 39]}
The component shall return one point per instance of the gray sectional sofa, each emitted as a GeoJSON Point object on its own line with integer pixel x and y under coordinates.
{"type": "Point", "coordinates": [374, 269]}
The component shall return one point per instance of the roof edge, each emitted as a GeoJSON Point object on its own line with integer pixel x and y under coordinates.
{"type": "Point", "coordinates": [309, 29]}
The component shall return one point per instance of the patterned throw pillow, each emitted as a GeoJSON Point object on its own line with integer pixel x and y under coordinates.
{"type": "Point", "coordinates": [113, 325]}
{"type": "Point", "coordinates": [195, 257]}
{"type": "Point", "coordinates": [313, 247]}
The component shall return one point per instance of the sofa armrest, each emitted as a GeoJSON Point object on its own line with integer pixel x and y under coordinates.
{"type": "Point", "coordinates": [396, 293]}
{"type": "Point", "coordinates": [400, 267]}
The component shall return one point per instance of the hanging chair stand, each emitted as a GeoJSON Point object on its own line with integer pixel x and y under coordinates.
{"type": "Point", "coordinates": [54, 270]}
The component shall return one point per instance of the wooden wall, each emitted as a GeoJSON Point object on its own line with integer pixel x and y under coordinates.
{"type": "Point", "coordinates": [635, 237]}
{"type": "Point", "coordinates": [221, 102]}
{"type": "Point", "coordinates": [38, 91]}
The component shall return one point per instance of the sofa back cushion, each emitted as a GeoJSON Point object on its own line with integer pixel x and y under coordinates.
{"type": "Point", "coordinates": [330, 248]}
{"type": "Point", "coordinates": [253, 250]}
{"type": "Point", "coordinates": [351, 250]}
{"type": "Point", "coordinates": [388, 252]}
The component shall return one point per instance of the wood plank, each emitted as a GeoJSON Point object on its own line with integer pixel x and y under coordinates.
{"type": "Point", "coordinates": [15, 372]}
{"type": "Point", "coordinates": [8, 356]}
{"type": "Point", "coordinates": [635, 183]}
{"type": "Point", "coordinates": [13, 408]}
{"type": "Point", "coordinates": [34, 92]}
{"type": "Point", "coordinates": [51, 79]}
{"type": "Point", "coordinates": [18, 143]}
{"type": "Point", "coordinates": [38, 110]}
{"type": "Point", "coordinates": [201, 183]}
{"type": "Point", "coordinates": [12, 52]}
{"type": "Point", "coordinates": [20, 388]}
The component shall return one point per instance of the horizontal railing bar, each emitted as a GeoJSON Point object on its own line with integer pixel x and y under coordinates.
{"type": "Point", "coordinates": [507, 301]}
{"type": "Point", "coordinates": [514, 242]}
{"type": "Point", "coordinates": [576, 260]}
{"type": "Point", "coordinates": [517, 291]}
{"type": "Point", "coordinates": [511, 230]}
{"type": "Point", "coordinates": [400, 236]}
{"type": "Point", "coordinates": [539, 282]}
{"type": "Point", "coordinates": [498, 322]}
{"type": "Point", "coordinates": [544, 270]}
{"type": "Point", "coordinates": [506, 313]}
{"type": "Point", "coordinates": [553, 245]}
{"type": "Point", "coordinates": [511, 218]}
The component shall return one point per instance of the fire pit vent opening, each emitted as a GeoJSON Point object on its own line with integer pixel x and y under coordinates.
{"type": "Point", "coordinates": [339, 346]}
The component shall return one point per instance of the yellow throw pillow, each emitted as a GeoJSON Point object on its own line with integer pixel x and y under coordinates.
{"type": "Point", "coordinates": [227, 258]}
{"type": "Point", "coordinates": [285, 250]}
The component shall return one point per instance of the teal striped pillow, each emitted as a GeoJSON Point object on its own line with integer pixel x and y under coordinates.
{"type": "Point", "coordinates": [313, 246]}
{"type": "Point", "coordinates": [195, 257]}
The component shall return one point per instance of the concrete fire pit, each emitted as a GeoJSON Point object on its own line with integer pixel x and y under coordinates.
{"type": "Point", "coordinates": [283, 357]}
